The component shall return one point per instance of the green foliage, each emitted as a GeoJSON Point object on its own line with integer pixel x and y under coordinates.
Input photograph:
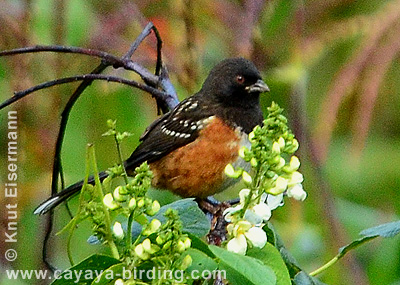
{"type": "Point", "coordinates": [193, 219]}
{"type": "Point", "coordinates": [315, 41]}
{"type": "Point", "coordinates": [243, 269]}
{"type": "Point", "coordinates": [271, 257]}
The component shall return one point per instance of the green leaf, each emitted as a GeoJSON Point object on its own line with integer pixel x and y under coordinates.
{"type": "Point", "coordinates": [194, 220]}
{"type": "Point", "coordinates": [89, 268]}
{"type": "Point", "coordinates": [384, 230]}
{"type": "Point", "coordinates": [200, 245]}
{"type": "Point", "coordinates": [271, 257]}
{"type": "Point", "coordinates": [270, 231]}
{"type": "Point", "coordinates": [243, 269]}
{"type": "Point", "coordinates": [200, 262]}
{"type": "Point", "coordinates": [291, 263]}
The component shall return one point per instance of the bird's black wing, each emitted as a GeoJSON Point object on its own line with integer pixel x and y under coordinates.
{"type": "Point", "coordinates": [171, 131]}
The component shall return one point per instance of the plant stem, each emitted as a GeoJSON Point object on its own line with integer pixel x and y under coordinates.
{"type": "Point", "coordinates": [98, 189]}
{"type": "Point", "coordinates": [74, 221]}
{"type": "Point", "coordinates": [121, 161]}
{"type": "Point", "coordinates": [129, 231]}
{"type": "Point", "coordinates": [325, 266]}
{"type": "Point", "coordinates": [254, 187]}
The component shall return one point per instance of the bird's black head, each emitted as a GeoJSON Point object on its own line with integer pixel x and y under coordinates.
{"type": "Point", "coordinates": [234, 81]}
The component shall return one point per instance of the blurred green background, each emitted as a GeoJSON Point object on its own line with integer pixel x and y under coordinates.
{"type": "Point", "coordinates": [333, 65]}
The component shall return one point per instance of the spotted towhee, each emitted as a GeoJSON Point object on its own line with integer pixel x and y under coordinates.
{"type": "Point", "coordinates": [188, 148]}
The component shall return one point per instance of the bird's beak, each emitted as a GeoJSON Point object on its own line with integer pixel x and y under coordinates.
{"type": "Point", "coordinates": [259, 86]}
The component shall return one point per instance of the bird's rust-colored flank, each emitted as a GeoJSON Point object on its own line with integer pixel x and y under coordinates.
{"type": "Point", "coordinates": [197, 169]}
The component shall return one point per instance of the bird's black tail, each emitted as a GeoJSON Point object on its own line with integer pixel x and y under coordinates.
{"type": "Point", "coordinates": [62, 196]}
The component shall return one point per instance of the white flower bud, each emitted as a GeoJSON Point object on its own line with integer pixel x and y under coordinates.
{"type": "Point", "coordinates": [280, 186]}
{"type": "Point", "coordinates": [139, 250]}
{"type": "Point", "coordinates": [263, 211]}
{"type": "Point", "coordinates": [187, 242]}
{"type": "Point", "coordinates": [281, 142]}
{"type": "Point", "coordinates": [230, 211]}
{"type": "Point", "coordinates": [295, 178]}
{"type": "Point", "coordinates": [294, 163]}
{"type": "Point", "coordinates": [149, 247]}
{"type": "Point", "coordinates": [167, 245]}
{"type": "Point", "coordinates": [118, 194]}
{"type": "Point", "coordinates": [108, 200]}
{"type": "Point", "coordinates": [246, 177]}
{"type": "Point", "coordinates": [159, 240]}
{"type": "Point", "coordinates": [231, 172]}
{"type": "Point", "coordinates": [152, 227]}
{"type": "Point", "coordinates": [281, 163]}
{"type": "Point", "coordinates": [295, 144]}
{"type": "Point", "coordinates": [257, 237]}
{"type": "Point", "coordinates": [253, 162]}
{"type": "Point", "coordinates": [297, 192]}
{"type": "Point", "coordinates": [242, 151]}
{"type": "Point", "coordinates": [276, 149]}
{"type": "Point", "coordinates": [118, 231]}
{"type": "Point", "coordinates": [155, 207]}
{"type": "Point", "coordinates": [230, 228]}
{"type": "Point", "coordinates": [180, 247]}
{"type": "Point", "coordinates": [132, 204]}
{"type": "Point", "coordinates": [237, 245]}
{"type": "Point", "coordinates": [251, 137]}
{"type": "Point", "coordinates": [274, 201]}
{"type": "Point", "coordinates": [186, 262]}
{"type": "Point", "coordinates": [146, 245]}
{"type": "Point", "coordinates": [243, 195]}
{"type": "Point", "coordinates": [155, 224]}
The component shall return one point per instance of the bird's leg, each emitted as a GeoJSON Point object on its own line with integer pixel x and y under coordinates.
{"type": "Point", "coordinates": [214, 210]}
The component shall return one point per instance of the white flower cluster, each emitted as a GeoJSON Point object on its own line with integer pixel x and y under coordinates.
{"type": "Point", "coordinates": [273, 177]}
{"type": "Point", "coordinates": [246, 228]}
{"type": "Point", "coordinates": [249, 228]}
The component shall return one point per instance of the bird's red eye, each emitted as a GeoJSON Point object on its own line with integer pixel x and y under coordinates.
{"type": "Point", "coordinates": [240, 79]}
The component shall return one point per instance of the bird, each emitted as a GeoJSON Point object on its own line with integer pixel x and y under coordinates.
{"type": "Point", "coordinates": [188, 148]}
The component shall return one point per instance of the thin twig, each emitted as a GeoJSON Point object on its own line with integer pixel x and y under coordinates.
{"type": "Point", "coordinates": [146, 31]}
{"type": "Point", "coordinates": [107, 58]}
{"type": "Point", "coordinates": [64, 49]}
{"type": "Point", "coordinates": [21, 94]}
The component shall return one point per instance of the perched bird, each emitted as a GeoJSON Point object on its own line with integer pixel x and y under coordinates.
{"type": "Point", "coordinates": [188, 148]}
